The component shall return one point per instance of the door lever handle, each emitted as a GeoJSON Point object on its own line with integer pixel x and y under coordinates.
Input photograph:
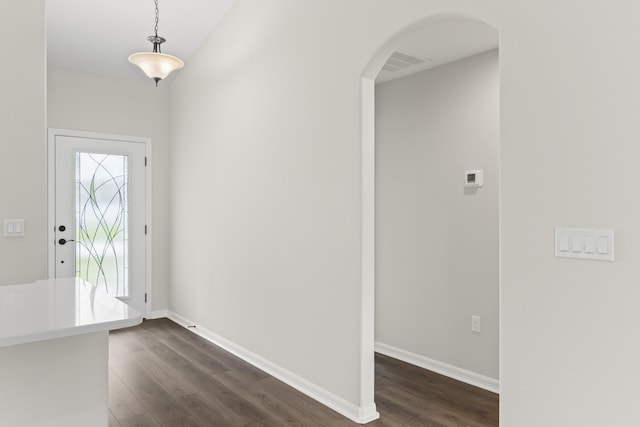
{"type": "Point", "coordinates": [64, 241]}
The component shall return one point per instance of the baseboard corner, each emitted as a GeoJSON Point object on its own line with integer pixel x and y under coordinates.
{"type": "Point", "coordinates": [367, 414]}
{"type": "Point", "coordinates": [159, 314]}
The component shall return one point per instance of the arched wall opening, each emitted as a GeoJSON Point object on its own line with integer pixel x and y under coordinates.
{"type": "Point", "coordinates": [368, 179]}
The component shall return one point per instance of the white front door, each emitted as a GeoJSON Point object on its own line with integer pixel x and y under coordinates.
{"type": "Point", "coordinates": [99, 211]}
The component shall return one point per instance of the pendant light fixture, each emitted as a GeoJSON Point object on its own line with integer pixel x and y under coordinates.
{"type": "Point", "coordinates": [156, 65]}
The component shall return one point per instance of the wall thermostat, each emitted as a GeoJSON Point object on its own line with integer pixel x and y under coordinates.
{"type": "Point", "coordinates": [473, 178]}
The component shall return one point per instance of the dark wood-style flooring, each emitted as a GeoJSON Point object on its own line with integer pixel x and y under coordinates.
{"type": "Point", "coordinates": [161, 374]}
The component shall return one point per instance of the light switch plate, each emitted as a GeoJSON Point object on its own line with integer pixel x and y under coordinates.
{"type": "Point", "coordinates": [13, 227]}
{"type": "Point", "coordinates": [584, 244]}
{"type": "Point", "coordinates": [475, 324]}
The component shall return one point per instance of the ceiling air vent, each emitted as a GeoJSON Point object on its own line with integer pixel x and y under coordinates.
{"type": "Point", "coordinates": [399, 61]}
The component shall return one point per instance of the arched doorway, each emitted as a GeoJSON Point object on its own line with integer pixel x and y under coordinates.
{"type": "Point", "coordinates": [452, 24]}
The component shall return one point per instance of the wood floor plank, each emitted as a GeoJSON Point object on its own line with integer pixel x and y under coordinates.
{"type": "Point", "coordinates": [392, 412]}
{"type": "Point", "coordinates": [265, 423]}
{"type": "Point", "coordinates": [196, 355]}
{"type": "Point", "coordinates": [298, 405]}
{"type": "Point", "coordinates": [113, 422]}
{"type": "Point", "coordinates": [452, 402]}
{"type": "Point", "coordinates": [183, 422]}
{"type": "Point", "coordinates": [162, 350]}
{"type": "Point", "coordinates": [209, 412]}
{"type": "Point", "coordinates": [196, 345]}
{"type": "Point", "coordinates": [267, 402]}
{"type": "Point", "coordinates": [144, 420]}
{"type": "Point", "coordinates": [214, 394]}
{"type": "Point", "coordinates": [122, 403]}
{"type": "Point", "coordinates": [430, 410]}
{"type": "Point", "coordinates": [157, 402]}
{"type": "Point", "coordinates": [179, 379]}
{"type": "Point", "coordinates": [163, 374]}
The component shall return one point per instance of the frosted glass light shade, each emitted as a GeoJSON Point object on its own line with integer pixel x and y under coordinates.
{"type": "Point", "coordinates": [156, 65]}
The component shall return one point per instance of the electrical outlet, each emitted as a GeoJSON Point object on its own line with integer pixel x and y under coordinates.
{"type": "Point", "coordinates": [475, 324]}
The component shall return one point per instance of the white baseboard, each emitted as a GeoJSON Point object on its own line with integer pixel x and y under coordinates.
{"type": "Point", "coordinates": [159, 314]}
{"type": "Point", "coordinates": [460, 374]}
{"type": "Point", "coordinates": [360, 415]}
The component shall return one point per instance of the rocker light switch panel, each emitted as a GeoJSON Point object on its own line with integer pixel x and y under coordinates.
{"type": "Point", "coordinates": [13, 227]}
{"type": "Point", "coordinates": [584, 244]}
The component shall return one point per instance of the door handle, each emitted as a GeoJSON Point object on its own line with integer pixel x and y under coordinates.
{"type": "Point", "coordinates": [64, 241]}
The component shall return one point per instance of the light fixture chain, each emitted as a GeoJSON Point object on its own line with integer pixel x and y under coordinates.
{"type": "Point", "coordinates": [157, 17]}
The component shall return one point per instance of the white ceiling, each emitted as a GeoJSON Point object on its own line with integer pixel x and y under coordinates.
{"type": "Point", "coordinates": [99, 36]}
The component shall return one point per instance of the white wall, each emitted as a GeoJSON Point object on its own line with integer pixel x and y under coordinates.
{"type": "Point", "coordinates": [265, 189]}
{"type": "Point", "coordinates": [568, 158]}
{"type": "Point", "coordinates": [266, 192]}
{"type": "Point", "coordinates": [437, 243]}
{"type": "Point", "coordinates": [85, 101]}
{"type": "Point", "coordinates": [23, 167]}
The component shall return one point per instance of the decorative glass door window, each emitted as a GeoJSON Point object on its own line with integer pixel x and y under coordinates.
{"type": "Point", "coordinates": [99, 212]}
{"type": "Point", "coordinates": [102, 225]}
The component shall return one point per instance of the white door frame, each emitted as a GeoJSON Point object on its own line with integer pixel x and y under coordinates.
{"type": "Point", "coordinates": [51, 165]}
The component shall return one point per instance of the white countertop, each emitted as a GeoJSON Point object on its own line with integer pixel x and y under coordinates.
{"type": "Point", "coordinates": [58, 308]}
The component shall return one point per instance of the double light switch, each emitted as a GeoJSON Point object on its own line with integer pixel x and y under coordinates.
{"type": "Point", "coordinates": [13, 227]}
{"type": "Point", "coordinates": [584, 244]}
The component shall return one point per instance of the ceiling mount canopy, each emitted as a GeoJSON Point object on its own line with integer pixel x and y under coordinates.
{"type": "Point", "coordinates": [156, 65]}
